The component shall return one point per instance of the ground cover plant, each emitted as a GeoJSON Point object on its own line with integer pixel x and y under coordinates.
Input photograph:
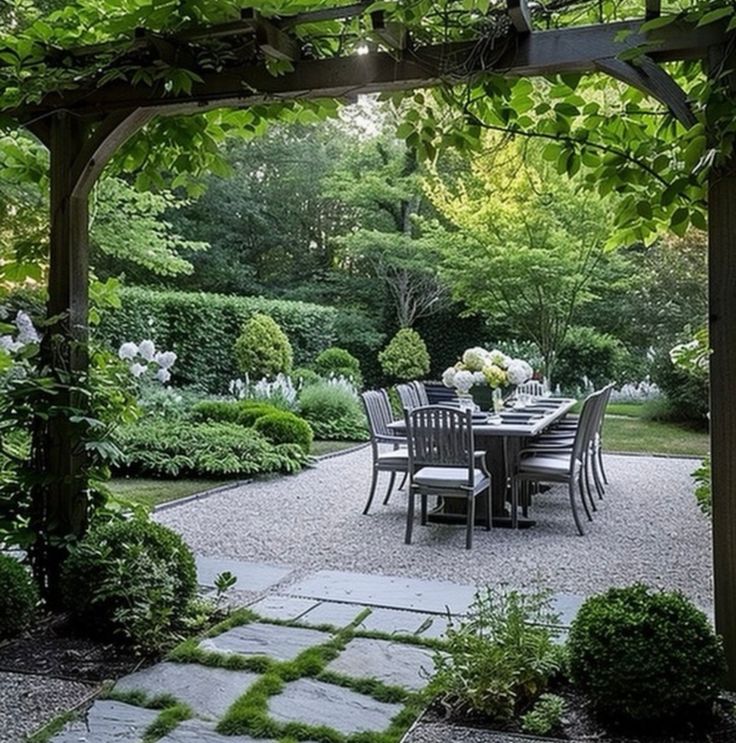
{"type": "Point", "coordinates": [18, 597]}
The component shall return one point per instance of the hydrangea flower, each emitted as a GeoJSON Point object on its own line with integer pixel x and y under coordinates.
{"type": "Point", "coordinates": [448, 376]}
{"type": "Point", "coordinates": [498, 358]}
{"type": "Point", "coordinates": [165, 359]}
{"type": "Point", "coordinates": [475, 359]}
{"type": "Point", "coordinates": [495, 375]}
{"type": "Point", "coordinates": [163, 375]}
{"type": "Point", "coordinates": [464, 380]}
{"type": "Point", "coordinates": [128, 351]}
{"type": "Point", "coordinates": [147, 349]}
{"type": "Point", "coordinates": [518, 372]}
{"type": "Point", "coordinates": [26, 332]}
{"type": "Point", "coordinates": [137, 370]}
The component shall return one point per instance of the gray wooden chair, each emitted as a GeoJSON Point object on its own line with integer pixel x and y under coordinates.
{"type": "Point", "coordinates": [407, 396]}
{"type": "Point", "coordinates": [420, 393]}
{"type": "Point", "coordinates": [378, 412]}
{"type": "Point", "coordinates": [443, 462]}
{"type": "Point", "coordinates": [560, 464]}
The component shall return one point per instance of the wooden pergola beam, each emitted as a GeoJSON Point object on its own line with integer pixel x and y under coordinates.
{"type": "Point", "coordinates": [520, 15]}
{"type": "Point", "coordinates": [653, 9]}
{"type": "Point", "coordinates": [570, 50]}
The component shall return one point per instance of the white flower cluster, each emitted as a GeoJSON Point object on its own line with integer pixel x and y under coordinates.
{"type": "Point", "coordinates": [281, 388]}
{"type": "Point", "coordinates": [640, 392]}
{"type": "Point", "coordinates": [142, 357]}
{"type": "Point", "coordinates": [480, 366]}
{"type": "Point", "coordinates": [26, 335]}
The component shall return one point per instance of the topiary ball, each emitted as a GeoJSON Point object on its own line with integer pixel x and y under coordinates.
{"type": "Point", "coordinates": [405, 357]}
{"type": "Point", "coordinates": [645, 656]}
{"type": "Point", "coordinates": [126, 576]}
{"type": "Point", "coordinates": [338, 362]}
{"type": "Point", "coordinates": [285, 428]}
{"type": "Point", "coordinates": [18, 598]}
{"type": "Point", "coordinates": [262, 349]}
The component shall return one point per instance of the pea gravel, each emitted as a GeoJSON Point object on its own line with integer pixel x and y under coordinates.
{"type": "Point", "coordinates": [648, 528]}
{"type": "Point", "coordinates": [28, 702]}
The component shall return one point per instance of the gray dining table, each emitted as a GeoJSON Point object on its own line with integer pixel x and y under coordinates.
{"type": "Point", "coordinates": [501, 439]}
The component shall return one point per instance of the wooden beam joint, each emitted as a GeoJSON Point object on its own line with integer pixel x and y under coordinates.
{"type": "Point", "coordinates": [272, 40]}
{"type": "Point", "coordinates": [393, 35]}
{"type": "Point", "coordinates": [520, 15]}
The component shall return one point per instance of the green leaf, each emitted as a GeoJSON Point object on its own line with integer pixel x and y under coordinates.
{"type": "Point", "coordinates": [655, 23]}
{"type": "Point", "coordinates": [715, 15]}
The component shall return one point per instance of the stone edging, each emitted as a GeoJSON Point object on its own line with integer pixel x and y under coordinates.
{"type": "Point", "coordinates": [656, 455]}
{"type": "Point", "coordinates": [199, 496]}
{"type": "Point", "coordinates": [331, 455]}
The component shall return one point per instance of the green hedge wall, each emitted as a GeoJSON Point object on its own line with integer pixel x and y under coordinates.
{"type": "Point", "coordinates": [202, 328]}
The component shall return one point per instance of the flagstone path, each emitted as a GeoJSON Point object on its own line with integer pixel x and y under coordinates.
{"type": "Point", "coordinates": [379, 618]}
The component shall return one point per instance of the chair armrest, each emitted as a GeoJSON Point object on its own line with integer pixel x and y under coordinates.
{"type": "Point", "coordinates": [391, 439]}
{"type": "Point", "coordinates": [480, 457]}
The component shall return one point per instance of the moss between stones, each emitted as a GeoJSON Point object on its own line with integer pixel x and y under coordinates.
{"type": "Point", "coordinates": [50, 729]}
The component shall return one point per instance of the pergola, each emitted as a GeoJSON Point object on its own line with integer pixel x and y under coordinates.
{"type": "Point", "coordinates": [83, 127]}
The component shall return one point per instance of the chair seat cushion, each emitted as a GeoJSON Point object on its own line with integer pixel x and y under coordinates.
{"type": "Point", "coordinates": [448, 477]}
{"type": "Point", "coordinates": [398, 455]}
{"type": "Point", "coordinates": [546, 464]}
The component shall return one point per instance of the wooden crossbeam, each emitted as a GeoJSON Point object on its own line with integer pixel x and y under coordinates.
{"type": "Point", "coordinates": [650, 78]}
{"type": "Point", "coordinates": [270, 38]}
{"type": "Point", "coordinates": [577, 49]}
{"type": "Point", "coordinates": [520, 15]}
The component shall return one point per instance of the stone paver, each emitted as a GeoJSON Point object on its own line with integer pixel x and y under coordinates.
{"type": "Point", "coordinates": [282, 607]}
{"type": "Point", "coordinates": [432, 596]}
{"type": "Point", "coordinates": [197, 731]}
{"type": "Point", "coordinates": [392, 621]}
{"type": "Point", "coordinates": [275, 641]}
{"type": "Point", "coordinates": [392, 663]}
{"type": "Point", "coordinates": [316, 703]}
{"type": "Point", "coordinates": [252, 576]}
{"type": "Point", "coordinates": [208, 691]}
{"type": "Point", "coordinates": [108, 722]}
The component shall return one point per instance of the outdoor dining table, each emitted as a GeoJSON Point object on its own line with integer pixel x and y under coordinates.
{"type": "Point", "coordinates": [501, 440]}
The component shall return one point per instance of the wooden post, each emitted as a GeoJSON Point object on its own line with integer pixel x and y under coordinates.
{"type": "Point", "coordinates": [722, 290]}
{"type": "Point", "coordinates": [60, 497]}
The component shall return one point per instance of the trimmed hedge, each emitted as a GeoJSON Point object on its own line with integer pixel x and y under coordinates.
{"type": "Point", "coordinates": [18, 597]}
{"type": "Point", "coordinates": [283, 427]}
{"type": "Point", "coordinates": [243, 412]}
{"type": "Point", "coordinates": [202, 328]}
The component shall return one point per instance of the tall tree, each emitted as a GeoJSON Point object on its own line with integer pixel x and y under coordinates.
{"type": "Point", "coordinates": [523, 244]}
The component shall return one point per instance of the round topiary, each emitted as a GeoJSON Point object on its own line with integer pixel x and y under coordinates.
{"type": "Point", "coordinates": [644, 656]}
{"type": "Point", "coordinates": [302, 376]}
{"type": "Point", "coordinates": [338, 362]}
{"type": "Point", "coordinates": [406, 356]}
{"type": "Point", "coordinates": [263, 350]}
{"type": "Point", "coordinates": [132, 579]}
{"type": "Point", "coordinates": [18, 597]}
{"type": "Point", "coordinates": [285, 428]}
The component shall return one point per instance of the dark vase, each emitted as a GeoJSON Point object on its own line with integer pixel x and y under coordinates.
{"type": "Point", "coordinates": [482, 396]}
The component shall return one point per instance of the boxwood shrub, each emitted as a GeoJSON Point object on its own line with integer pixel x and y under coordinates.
{"type": "Point", "coordinates": [338, 362]}
{"type": "Point", "coordinates": [131, 579]}
{"type": "Point", "coordinates": [645, 656]}
{"type": "Point", "coordinates": [333, 412]}
{"type": "Point", "coordinates": [187, 449]}
{"type": "Point", "coordinates": [285, 428]}
{"type": "Point", "coordinates": [201, 328]}
{"type": "Point", "coordinates": [243, 412]}
{"type": "Point", "coordinates": [18, 597]}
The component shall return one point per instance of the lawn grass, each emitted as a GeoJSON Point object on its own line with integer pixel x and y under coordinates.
{"type": "Point", "coordinates": [653, 437]}
{"type": "Point", "coordinates": [629, 409]}
{"type": "Point", "coordinates": [151, 492]}
{"type": "Point", "coordinates": [320, 448]}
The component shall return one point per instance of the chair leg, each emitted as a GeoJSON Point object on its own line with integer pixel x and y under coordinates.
{"type": "Point", "coordinates": [583, 499]}
{"type": "Point", "coordinates": [573, 504]}
{"type": "Point", "coordinates": [515, 487]}
{"type": "Point", "coordinates": [424, 509]}
{"type": "Point", "coordinates": [596, 476]}
{"type": "Point", "coordinates": [470, 524]}
{"type": "Point", "coordinates": [600, 462]}
{"type": "Point", "coordinates": [390, 488]}
{"type": "Point", "coordinates": [588, 489]}
{"type": "Point", "coordinates": [409, 517]}
{"type": "Point", "coordinates": [403, 480]}
{"type": "Point", "coordinates": [489, 509]}
{"type": "Point", "coordinates": [372, 493]}
{"type": "Point", "coordinates": [526, 497]}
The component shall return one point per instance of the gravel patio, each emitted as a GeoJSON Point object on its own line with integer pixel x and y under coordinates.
{"type": "Point", "coordinates": [648, 529]}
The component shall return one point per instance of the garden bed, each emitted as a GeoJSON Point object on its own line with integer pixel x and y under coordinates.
{"type": "Point", "coordinates": [579, 723]}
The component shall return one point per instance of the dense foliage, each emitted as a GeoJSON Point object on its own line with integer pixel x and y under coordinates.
{"type": "Point", "coordinates": [405, 357]}
{"type": "Point", "coordinates": [201, 329]}
{"type": "Point", "coordinates": [333, 411]}
{"type": "Point", "coordinates": [262, 350]}
{"type": "Point", "coordinates": [499, 660]}
{"type": "Point", "coordinates": [173, 449]}
{"type": "Point", "coordinates": [337, 362]}
{"type": "Point", "coordinates": [18, 597]}
{"type": "Point", "coordinates": [283, 427]}
{"type": "Point", "coordinates": [642, 655]}
{"type": "Point", "coordinates": [587, 354]}
{"type": "Point", "coordinates": [132, 579]}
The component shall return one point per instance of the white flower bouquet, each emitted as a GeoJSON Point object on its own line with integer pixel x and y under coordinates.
{"type": "Point", "coordinates": [492, 369]}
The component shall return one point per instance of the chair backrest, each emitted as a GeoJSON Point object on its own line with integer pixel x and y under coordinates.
{"type": "Point", "coordinates": [408, 396]}
{"type": "Point", "coordinates": [420, 392]}
{"type": "Point", "coordinates": [440, 437]}
{"type": "Point", "coordinates": [587, 425]}
{"type": "Point", "coordinates": [378, 412]}
{"type": "Point", "coordinates": [533, 387]}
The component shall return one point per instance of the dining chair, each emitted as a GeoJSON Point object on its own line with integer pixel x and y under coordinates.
{"type": "Point", "coordinates": [560, 464]}
{"type": "Point", "coordinates": [533, 387]}
{"type": "Point", "coordinates": [443, 462]}
{"type": "Point", "coordinates": [378, 412]}
{"type": "Point", "coordinates": [408, 396]}
{"type": "Point", "coordinates": [420, 393]}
